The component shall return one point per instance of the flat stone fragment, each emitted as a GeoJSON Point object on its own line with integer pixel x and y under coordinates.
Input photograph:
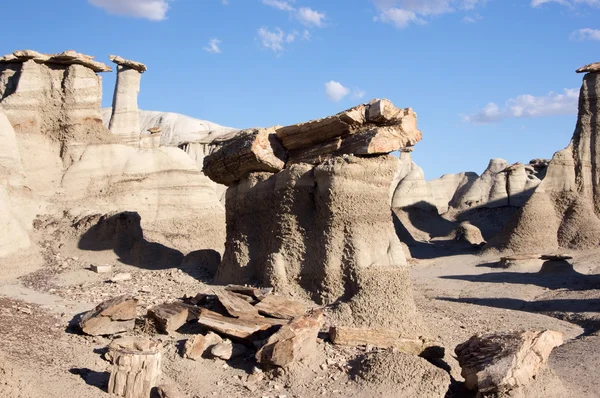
{"type": "Point", "coordinates": [140, 67]}
{"type": "Point", "coordinates": [110, 317]}
{"type": "Point", "coordinates": [227, 350]}
{"type": "Point", "coordinates": [233, 327]}
{"type": "Point", "coordinates": [293, 342]}
{"type": "Point", "coordinates": [499, 362]}
{"type": "Point", "coordinates": [101, 269]}
{"type": "Point", "coordinates": [166, 391]}
{"type": "Point", "coordinates": [280, 307]}
{"type": "Point", "coordinates": [236, 306]}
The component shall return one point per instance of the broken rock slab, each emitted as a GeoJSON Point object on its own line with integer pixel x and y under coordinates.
{"type": "Point", "coordinates": [499, 362]}
{"type": "Point", "coordinates": [280, 307]}
{"type": "Point", "coordinates": [140, 67]}
{"type": "Point", "coordinates": [251, 150]}
{"type": "Point", "coordinates": [235, 328]}
{"type": "Point", "coordinates": [384, 338]}
{"type": "Point", "coordinates": [227, 350]}
{"type": "Point", "coordinates": [169, 317]}
{"type": "Point", "coordinates": [110, 317]}
{"type": "Point", "coordinates": [294, 341]}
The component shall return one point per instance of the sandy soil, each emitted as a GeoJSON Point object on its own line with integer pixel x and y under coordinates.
{"type": "Point", "coordinates": [43, 355]}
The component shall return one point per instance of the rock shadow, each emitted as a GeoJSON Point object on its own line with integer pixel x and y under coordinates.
{"type": "Point", "coordinates": [123, 234]}
{"type": "Point", "coordinates": [93, 378]}
{"type": "Point", "coordinates": [552, 275]}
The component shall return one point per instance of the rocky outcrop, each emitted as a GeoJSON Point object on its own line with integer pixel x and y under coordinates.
{"type": "Point", "coordinates": [500, 185]}
{"type": "Point", "coordinates": [447, 187]}
{"type": "Point", "coordinates": [411, 187]}
{"type": "Point", "coordinates": [58, 155]}
{"type": "Point", "coordinates": [125, 118]}
{"type": "Point", "coordinates": [325, 225]}
{"type": "Point", "coordinates": [564, 210]}
{"type": "Point", "coordinates": [157, 184]}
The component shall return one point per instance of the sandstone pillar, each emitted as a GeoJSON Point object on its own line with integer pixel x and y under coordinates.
{"type": "Point", "coordinates": [125, 118]}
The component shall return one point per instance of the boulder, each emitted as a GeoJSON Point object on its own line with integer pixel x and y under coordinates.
{"type": "Point", "coordinates": [468, 233]}
{"type": "Point", "coordinates": [197, 346]}
{"type": "Point", "coordinates": [499, 362]}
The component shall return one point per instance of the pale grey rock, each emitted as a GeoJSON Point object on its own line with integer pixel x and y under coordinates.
{"type": "Point", "coordinates": [125, 118]}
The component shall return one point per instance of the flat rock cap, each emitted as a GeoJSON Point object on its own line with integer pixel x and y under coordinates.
{"type": "Point", "coordinates": [69, 57]}
{"type": "Point", "coordinates": [140, 67]}
{"type": "Point", "coordinates": [595, 67]}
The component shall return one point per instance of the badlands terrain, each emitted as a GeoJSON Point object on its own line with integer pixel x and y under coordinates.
{"type": "Point", "coordinates": [145, 253]}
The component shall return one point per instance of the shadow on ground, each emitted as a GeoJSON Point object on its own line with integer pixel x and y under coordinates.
{"type": "Point", "coordinates": [123, 234]}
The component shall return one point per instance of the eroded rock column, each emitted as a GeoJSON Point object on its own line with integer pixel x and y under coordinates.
{"type": "Point", "coordinates": [308, 206]}
{"type": "Point", "coordinates": [125, 118]}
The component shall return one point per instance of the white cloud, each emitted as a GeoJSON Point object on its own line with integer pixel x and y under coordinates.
{"type": "Point", "coordinates": [586, 34]}
{"type": "Point", "coordinates": [306, 35]}
{"type": "Point", "coordinates": [399, 17]}
{"type": "Point", "coordinates": [279, 4]}
{"type": "Point", "coordinates": [527, 106]}
{"type": "Point", "coordinates": [567, 3]}
{"type": "Point", "coordinates": [213, 46]}
{"type": "Point", "coordinates": [310, 17]}
{"type": "Point", "coordinates": [305, 15]}
{"type": "Point", "coordinates": [336, 91]}
{"type": "Point", "coordinates": [401, 13]}
{"type": "Point", "coordinates": [274, 40]}
{"type": "Point", "coordinates": [154, 10]}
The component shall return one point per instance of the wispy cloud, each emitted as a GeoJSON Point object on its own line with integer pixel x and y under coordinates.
{"type": "Point", "coordinates": [275, 39]}
{"type": "Point", "coordinates": [213, 46]}
{"type": "Point", "coordinates": [402, 13]}
{"type": "Point", "coordinates": [528, 106]}
{"type": "Point", "coordinates": [586, 34]}
{"type": "Point", "coordinates": [306, 15]}
{"type": "Point", "coordinates": [358, 93]}
{"type": "Point", "coordinates": [154, 10]}
{"type": "Point", "coordinates": [567, 3]}
{"type": "Point", "coordinates": [310, 17]}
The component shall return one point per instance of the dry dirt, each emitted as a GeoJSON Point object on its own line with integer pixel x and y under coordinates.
{"type": "Point", "coordinates": [43, 355]}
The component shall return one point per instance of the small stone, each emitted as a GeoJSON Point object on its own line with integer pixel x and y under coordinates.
{"type": "Point", "coordinates": [255, 378]}
{"type": "Point", "coordinates": [25, 310]}
{"type": "Point", "coordinates": [121, 277]}
{"type": "Point", "coordinates": [101, 269]}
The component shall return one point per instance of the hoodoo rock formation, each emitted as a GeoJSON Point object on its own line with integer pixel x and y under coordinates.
{"type": "Point", "coordinates": [58, 156]}
{"type": "Point", "coordinates": [564, 210]}
{"type": "Point", "coordinates": [125, 119]}
{"type": "Point", "coordinates": [308, 210]}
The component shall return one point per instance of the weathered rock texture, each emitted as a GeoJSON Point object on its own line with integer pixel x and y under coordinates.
{"type": "Point", "coordinates": [322, 225]}
{"type": "Point", "coordinates": [564, 210]}
{"type": "Point", "coordinates": [497, 363]}
{"type": "Point", "coordinates": [125, 119]}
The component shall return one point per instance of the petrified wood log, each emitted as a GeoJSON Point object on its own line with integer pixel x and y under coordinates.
{"type": "Point", "coordinates": [111, 316]}
{"type": "Point", "coordinates": [135, 367]}
{"type": "Point", "coordinates": [249, 151]}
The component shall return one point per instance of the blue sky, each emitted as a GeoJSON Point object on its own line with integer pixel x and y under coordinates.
{"type": "Point", "coordinates": [487, 79]}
